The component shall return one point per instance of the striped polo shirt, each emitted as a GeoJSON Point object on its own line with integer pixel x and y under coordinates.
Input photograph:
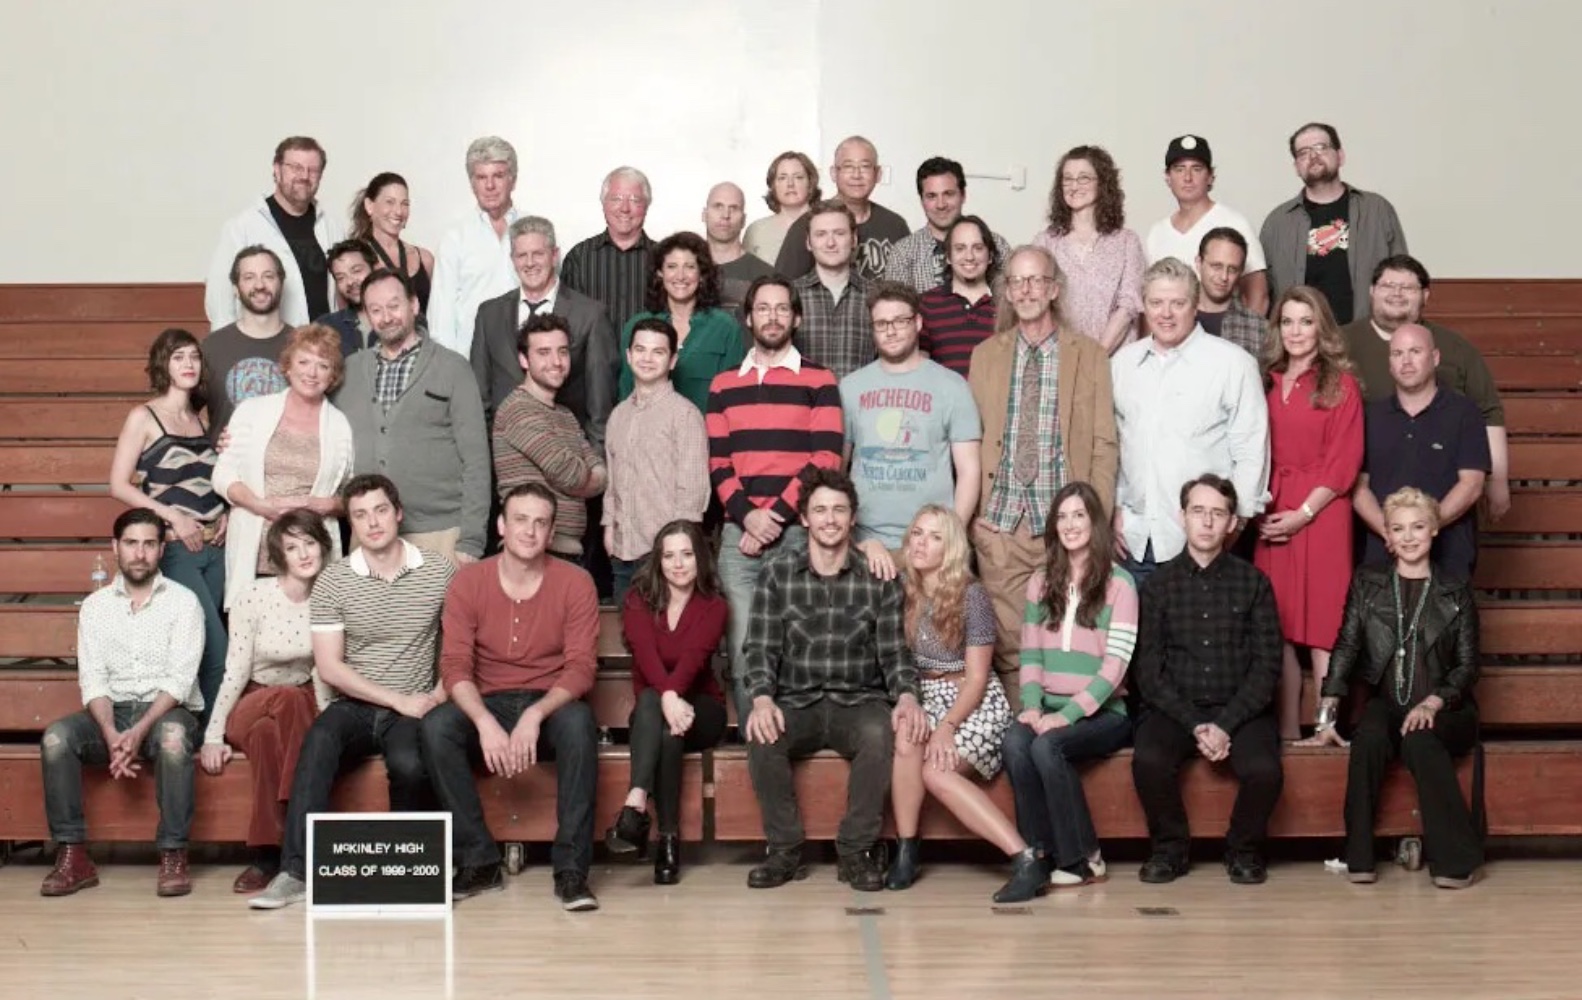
{"type": "Point", "coordinates": [391, 626]}
{"type": "Point", "coordinates": [767, 424]}
{"type": "Point", "coordinates": [952, 327]}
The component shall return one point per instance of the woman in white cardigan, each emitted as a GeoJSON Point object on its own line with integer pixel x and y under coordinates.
{"type": "Point", "coordinates": [287, 451]}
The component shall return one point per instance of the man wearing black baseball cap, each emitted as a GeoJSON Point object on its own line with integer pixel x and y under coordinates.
{"type": "Point", "coordinates": [1189, 173]}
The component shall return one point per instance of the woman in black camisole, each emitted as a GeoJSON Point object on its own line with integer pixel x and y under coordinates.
{"type": "Point", "coordinates": [379, 214]}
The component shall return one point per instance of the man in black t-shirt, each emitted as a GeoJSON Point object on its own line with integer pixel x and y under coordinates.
{"type": "Point", "coordinates": [855, 173]}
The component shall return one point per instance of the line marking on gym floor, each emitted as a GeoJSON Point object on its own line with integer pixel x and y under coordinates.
{"type": "Point", "coordinates": [872, 949]}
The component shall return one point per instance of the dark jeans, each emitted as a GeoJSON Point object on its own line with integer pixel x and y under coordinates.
{"type": "Point", "coordinates": [1451, 843]}
{"type": "Point", "coordinates": [1051, 808]}
{"type": "Point", "coordinates": [656, 754]}
{"type": "Point", "coordinates": [594, 559]}
{"type": "Point", "coordinates": [622, 571]}
{"type": "Point", "coordinates": [568, 737]}
{"type": "Point", "coordinates": [203, 573]}
{"type": "Point", "coordinates": [1141, 569]}
{"type": "Point", "coordinates": [76, 740]}
{"type": "Point", "coordinates": [345, 734]}
{"type": "Point", "coordinates": [1163, 745]}
{"type": "Point", "coordinates": [860, 733]}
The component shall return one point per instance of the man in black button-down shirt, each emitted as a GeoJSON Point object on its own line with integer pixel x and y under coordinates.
{"type": "Point", "coordinates": [827, 667]}
{"type": "Point", "coordinates": [1207, 660]}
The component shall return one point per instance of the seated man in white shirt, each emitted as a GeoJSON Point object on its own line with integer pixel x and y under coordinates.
{"type": "Point", "coordinates": [474, 259]}
{"type": "Point", "coordinates": [139, 641]}
{"type": "Point", "coordinates": [1189, 173]}
{"type": "Point", "coordinates": [1186, 403]}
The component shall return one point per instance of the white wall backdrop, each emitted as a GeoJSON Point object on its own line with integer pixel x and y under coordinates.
{"type": "Point", "coordinates": [133, 130]}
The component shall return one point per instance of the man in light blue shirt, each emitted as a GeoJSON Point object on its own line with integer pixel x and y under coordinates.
{"type": "Point", "coordinates": [474, 259]}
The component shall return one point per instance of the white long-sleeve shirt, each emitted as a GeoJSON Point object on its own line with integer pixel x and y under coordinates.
{"type": "Point", "coordinates": [131, 656]}
{"type": "Point", "coordinates": [472, 266]}
{"type": "Point", "coordinates": [1199, 407]}
{"type": "Point", "coordinates": [256, 225]}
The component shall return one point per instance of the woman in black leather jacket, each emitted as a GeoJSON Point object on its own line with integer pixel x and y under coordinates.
{"type": "Point", "coordinates": [1411, 635]}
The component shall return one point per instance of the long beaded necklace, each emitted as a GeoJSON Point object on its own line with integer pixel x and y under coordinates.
{"type": "Point", "coordinates": [1406, 639]}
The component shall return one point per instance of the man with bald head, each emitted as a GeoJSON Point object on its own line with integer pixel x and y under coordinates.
{"type": "Point", "coordinates": [855, 173]}
{"type": "Point", "coordinates": [1428, 436]}
{"type": "Point", "coordinates": [724, 217]}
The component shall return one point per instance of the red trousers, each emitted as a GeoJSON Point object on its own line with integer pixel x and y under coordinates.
{"type": "Point", "coordinates": [268, 725]}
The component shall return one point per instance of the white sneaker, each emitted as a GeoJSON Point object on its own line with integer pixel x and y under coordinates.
{"type": "Point", "coordinates": [282, 891]}
{"type": "Point", "coordinates": [1097, 872]}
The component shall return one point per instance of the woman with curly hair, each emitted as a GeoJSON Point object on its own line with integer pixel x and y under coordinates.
{"type": "Point", "coordinates": [793, 186]}
{"type": "Point", "coordinates": [684, 290]}
{"type": "Point", "coordinates": [1315, 437]}
{"type": "Point", "coordinates": [1101, 258]}
{"type": "Point", "coordinates": [950, 628]}
{"type": "Point", "coordinates": [1077, 641]}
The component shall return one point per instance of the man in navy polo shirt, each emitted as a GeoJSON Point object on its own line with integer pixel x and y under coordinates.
{"type": "Point", "coordinates": [1430, 437]}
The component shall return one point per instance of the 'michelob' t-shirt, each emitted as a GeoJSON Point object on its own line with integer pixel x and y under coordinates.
{"type": "Point", "coordinates": [901, 427]}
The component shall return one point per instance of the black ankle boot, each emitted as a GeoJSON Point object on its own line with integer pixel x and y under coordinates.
{"type": "Point", "coordinates": [667, 860]}
{"type": "Point", "coordinates": [629, 835]}
{"type": "Point", "coordinates": [1029, 875]}
{"type": "Point", "coordinates": [903, 870]}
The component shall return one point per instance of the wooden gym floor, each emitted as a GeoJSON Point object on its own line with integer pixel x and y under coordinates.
{"type": "Point", "coordinates": [1306, 934]}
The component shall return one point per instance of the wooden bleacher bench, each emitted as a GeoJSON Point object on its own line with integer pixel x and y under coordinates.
{"type": "Point", "coordinates": [71, 360]}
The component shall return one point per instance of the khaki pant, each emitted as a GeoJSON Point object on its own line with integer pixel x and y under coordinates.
{"type": "Point", "coordinates": [443, 542]}
{"type": "Point", "coordinates": [1006, 561]}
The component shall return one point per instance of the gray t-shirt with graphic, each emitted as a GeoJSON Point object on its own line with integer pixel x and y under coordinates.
{"type": "Point", "coordinates": [239, 368]}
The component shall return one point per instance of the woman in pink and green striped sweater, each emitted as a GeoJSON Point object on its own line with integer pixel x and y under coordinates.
{"type": "Point", "coordinates": [1077, 641]}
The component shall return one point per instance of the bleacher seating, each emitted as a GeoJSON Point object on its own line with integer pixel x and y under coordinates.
{"type": "Point", "coordinates": [71, 360]}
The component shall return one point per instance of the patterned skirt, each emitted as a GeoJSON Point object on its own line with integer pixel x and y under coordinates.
{"type": "Point", "coordinates": [978, 738]}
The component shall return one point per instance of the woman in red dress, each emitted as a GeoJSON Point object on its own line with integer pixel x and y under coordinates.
{"type": "Point", "coordinates": [1315, 431]}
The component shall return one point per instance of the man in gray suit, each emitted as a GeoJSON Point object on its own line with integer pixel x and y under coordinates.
{"type": "Point", "coordinates": [589, 392]}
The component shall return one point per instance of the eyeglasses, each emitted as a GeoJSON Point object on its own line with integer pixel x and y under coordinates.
{"type": "Point", "coordinates": [1212, 515]}
{"type": "Point", "coordinates": [900, 324]}
{"type": "Point", "coordinates": [765, 310]}
{"type": "Point", "coordinates": [1400, 286]}
{"type": "Point", "coordinates": [856, 168]}
{"type": "Point", "coordinates": [627, 199]}
{"type": "Point", "coordinates": [1086, 180]}
{"type": "Point", "coordinates": [1316, 149]}
{"type": "Point", "coordinates": [1034, 281]}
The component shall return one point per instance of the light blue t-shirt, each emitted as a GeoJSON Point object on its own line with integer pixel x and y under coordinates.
{"type": "Point", "coordinates": [901, 427]}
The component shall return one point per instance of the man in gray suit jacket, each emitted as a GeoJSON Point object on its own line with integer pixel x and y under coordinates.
{"type": "Point", "coordinates": [589, 392]}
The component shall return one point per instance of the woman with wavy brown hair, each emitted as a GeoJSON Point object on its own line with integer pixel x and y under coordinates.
{"type": "Point", "coordinates": [1101, 258]}
{"type": "Point", "coordinates": [950, 627]}
{"type": "Point", "coordinates": [1315, 437]}
{"type": "Point", "coordinates": [793, 186]}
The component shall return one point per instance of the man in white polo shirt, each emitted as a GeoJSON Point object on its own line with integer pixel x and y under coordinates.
{"type": "Point", "coordinates": [1189, 172]}
{"type": "Point", "coordinates": [375, 621]}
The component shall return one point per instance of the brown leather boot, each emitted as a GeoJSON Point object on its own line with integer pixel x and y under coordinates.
{"type": "Point", "coordinates": [173, 877]}
{"type": "Point", "coordinates": [73, 872]}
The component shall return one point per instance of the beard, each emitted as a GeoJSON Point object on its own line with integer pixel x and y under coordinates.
{"type": "Point", "coordinates": [138, 575]}
{"type": "Point", "coordinates": [269, 306]}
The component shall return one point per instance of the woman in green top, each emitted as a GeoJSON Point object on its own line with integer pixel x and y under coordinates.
{"type": "Point", "coordinates": [684, 290]}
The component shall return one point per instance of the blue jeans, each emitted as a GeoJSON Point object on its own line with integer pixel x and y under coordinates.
{"type": "Point", "coordinates": [622, 571]}
{"type": "Point", "coordinates": [1051, 808]}
{"type": "Point", "coordinates": [76, 740]}
{"type": "Point", "coordinates": [203, 573]}
{"type": "Point", "coordinates": [1141, 569]}
{"type": "Point", "coordinates": [738, 578]}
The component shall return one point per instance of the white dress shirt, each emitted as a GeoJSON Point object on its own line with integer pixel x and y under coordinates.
{"type": "Point", "coordinates": [524, 313]}
{"type": "Point", "coordinates": [473, 265]}
{"type": "Point", "coordinates": [1199, 407]}
{"type": "Point", "coordinates": [132, 656]}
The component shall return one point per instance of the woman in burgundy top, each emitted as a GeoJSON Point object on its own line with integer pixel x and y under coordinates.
{"type": "Point", "coordinates": [674, 618]}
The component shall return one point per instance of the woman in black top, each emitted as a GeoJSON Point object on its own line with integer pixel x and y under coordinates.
{"type": "Point", "coordinates": [379, 214]}
{"type": "Point", "coordinates": [1412, 635]}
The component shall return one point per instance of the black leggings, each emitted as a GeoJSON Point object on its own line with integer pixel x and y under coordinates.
{"type": "Point", "coordinates": [656, 754]}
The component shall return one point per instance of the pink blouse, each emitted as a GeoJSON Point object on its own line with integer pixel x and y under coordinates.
{"type": "Point", "coordinates": [1100, 281]}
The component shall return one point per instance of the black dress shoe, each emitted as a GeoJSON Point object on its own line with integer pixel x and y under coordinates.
{"type": "Point", "coordinates": [629, 835]}
{"type": "Point", "coordinates": [1246, 869]}
{"type": "Point", "coordinates": [903, 870]}
{"type": "Point", "coordinates": [472, 881]}
{"type": "Point", "coordinates": [862, 871]}
{"type": "Point", "coordinates": [1029, 876]}
{"type": "Point", "coordinates": [777, 869]}
{"type": "Point", "coordinates": [1163, 868]}
{"type": "Point", "coordinates": [667, 860]}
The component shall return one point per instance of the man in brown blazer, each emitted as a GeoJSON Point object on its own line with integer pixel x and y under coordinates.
{"type": "Point", "coordinates": [1032, 376]}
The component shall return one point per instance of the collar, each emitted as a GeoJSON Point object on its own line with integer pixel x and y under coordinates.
{"type": "Point", "coordinates": [854, 561]}
{"type": "Point", "coordinates": [412, 558]}
{"type": "Point", "coordinates": [380, 354]}
{"type": "Point", "coordinates": [949, 288]}
{"type": "Point", "coordinates": [792, 362]}
{"type": "Point", "coordinates": [1439, 394]}
{"type": "Point", "coordinates": [646, 398]}
{"type": "Point", "coordinates": [1212, 569]}
{"type": "Point", "coordinates": [1153, 349]}
{"type": "Point", "coordinates": [548, 300]}
{"type": "Point", "coordinates": [511, 215]}
{"type": "Point", "coordinates": [118, 585]}
{"type": "Point", "coordinates": [604, 240]}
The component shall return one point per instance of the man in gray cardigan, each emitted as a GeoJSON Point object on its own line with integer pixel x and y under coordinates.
{"type": "Point", "coordinates": [417, 418]}
{"type": "Point", "coordinates": [1331, 235]}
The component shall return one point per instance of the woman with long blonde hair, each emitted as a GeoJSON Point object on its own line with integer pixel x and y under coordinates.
{"type": "Point", "coordinates": [950, 628]}
{"type": "Point", "coordinates": [1315, 438]}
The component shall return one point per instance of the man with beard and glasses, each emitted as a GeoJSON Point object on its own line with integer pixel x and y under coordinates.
{"type": "Point", "coordinates": [959, 314]}
{"type": "Point", "coordinates": [1332, 235]}
{"type": "Point", "coordinates": [242, 359]}
{"type": "Point", "coordinates": [724, 218]}
{"type": "Point", "coordinates": [912, 431]}
{"type": "Point", "coordinates": [768, 420]}
{"type": "Point", "coordinates": [289, 222]}
{"type": "Point", "coordinates": [351, 262]}
{"type": "Point", "coordinates": [1221, 257]}
{"type": "Point", "coordinates": [920, 260]}
{"type": "Point", "coordinates": [138, 645]}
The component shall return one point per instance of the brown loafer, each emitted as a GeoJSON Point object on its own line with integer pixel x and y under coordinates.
{"type": "Point", "coordinates": [252, 879]}
{"type": "Point", "coordinates": [173, 877]}
{"type": "Point", "coordinates": [73, 872]}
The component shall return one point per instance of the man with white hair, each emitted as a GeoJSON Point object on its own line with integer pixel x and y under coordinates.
{"type": "Point", "coordinates": [291, 223]}
{"type": "Point", "coordinates": [474, 259]}
{"type": "Point", "coordinates": [724, 217]}
{"type": "Point", "coordinates": [612, 268]}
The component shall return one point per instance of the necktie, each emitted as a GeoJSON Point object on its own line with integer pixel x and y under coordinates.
{"type": "Point", "coordinates": [1024, 453]}
{"type": "Point", "coordinates": [534, 307]}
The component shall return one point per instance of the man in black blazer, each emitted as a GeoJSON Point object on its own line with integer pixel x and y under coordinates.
{"type": "Point", "coordinates": [589, 392]}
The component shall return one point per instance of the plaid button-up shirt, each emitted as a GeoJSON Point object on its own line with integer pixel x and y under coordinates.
{"type": "Point", "coordinates": [1010, 499]}
{"type": "Point", "coordinates": [391, 375]}
{"type": "Point", "coordinates": [837, 335]}
{"type": "Point", "coordinates": [839, 637]}
{"type": "Point", "coordinates": [1243, 327]}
